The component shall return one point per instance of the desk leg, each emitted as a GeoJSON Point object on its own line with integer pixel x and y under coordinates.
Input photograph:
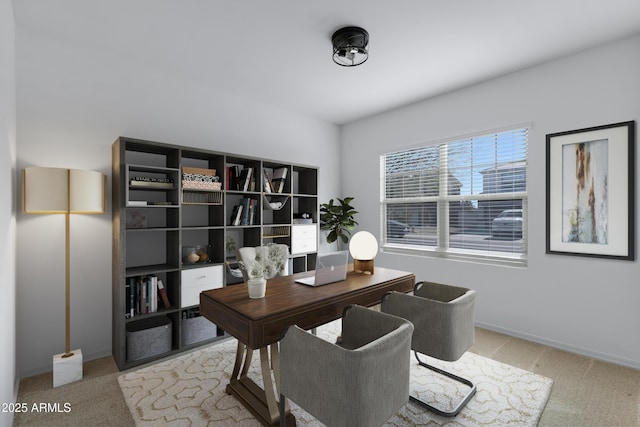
{"type": "Point", "coordinates": [268, 384]}
{"type": "Point", "coordinates": [240, 352]}
{"type": "Point", "coordinates": [261, 402]}
{"type": "Point", "coordinates": [238, 362]}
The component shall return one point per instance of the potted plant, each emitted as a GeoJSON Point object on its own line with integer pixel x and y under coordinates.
{"type": "Point", "coordinates": [257, 283]}
{"type": "Point", "coordinates": [269, 261]}
{"type": "Point", "coordinates": [337, 219]}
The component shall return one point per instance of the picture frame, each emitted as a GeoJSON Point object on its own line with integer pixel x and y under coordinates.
{"type": "Point", "coordinates": [590, 192]}
{"type": "Point", "coordinates": [136, 219]}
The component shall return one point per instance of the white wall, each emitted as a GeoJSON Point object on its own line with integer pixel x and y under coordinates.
{"type": "Point", "coordinates": [72, 104]}
{"type": "Point", "coordinates": [580, 304]}
{"type": "Point", "coordinates": [8, 186]}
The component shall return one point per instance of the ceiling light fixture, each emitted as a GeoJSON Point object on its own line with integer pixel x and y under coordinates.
{"type": "Point", "coordinates": [350, 46]}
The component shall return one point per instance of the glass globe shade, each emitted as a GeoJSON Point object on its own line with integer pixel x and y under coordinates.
{"type": "Point", "coordinates": [363, 246]}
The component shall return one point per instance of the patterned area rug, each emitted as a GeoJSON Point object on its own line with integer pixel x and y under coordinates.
{"type": "Point", "coordinates": [189, 390]}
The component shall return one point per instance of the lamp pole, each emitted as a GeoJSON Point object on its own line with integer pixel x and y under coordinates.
{"type": "Point", "coordinates": [67, 288]}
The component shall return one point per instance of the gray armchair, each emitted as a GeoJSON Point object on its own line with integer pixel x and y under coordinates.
{"type": "Point", "coordinates": [363, 381]}
{"type": "Point", "coordinates": [443, 318]}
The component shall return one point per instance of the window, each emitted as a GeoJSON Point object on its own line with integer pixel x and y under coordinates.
{"type": "Point", "coordinates": [462, 199]}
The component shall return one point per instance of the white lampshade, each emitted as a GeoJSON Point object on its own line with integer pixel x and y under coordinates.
{"type": "Point", "coordinates": [57, 190]}
{"type": "Point", "coordinates": [363, 246]}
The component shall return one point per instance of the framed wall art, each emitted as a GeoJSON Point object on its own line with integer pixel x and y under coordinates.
{"type": "Point", "coordinates": [590, 192]}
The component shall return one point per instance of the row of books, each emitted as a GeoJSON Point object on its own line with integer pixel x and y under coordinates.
{"type": "Point", "coordinates": [237, 179]}
{"type": "Point", "coordinates": [143, 181]}
{"type": "Point", "coordinates": [144, 294]}
{"type": "Point", "coordinates": [191, 313]}
{"type": "Point", "coordinates": [244, 213]}
{"type": "Point", "coordinates": [245, 179]}
{"type": "Point", "coordinates": [240, 180]}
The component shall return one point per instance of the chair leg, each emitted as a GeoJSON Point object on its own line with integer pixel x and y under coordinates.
{"type": "Point", "coordinates": [460, 405]}
{"type": "Point", "coordinates": [283, 411]}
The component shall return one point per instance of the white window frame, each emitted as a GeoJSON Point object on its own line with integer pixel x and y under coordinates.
{"type": "Point", "coordinates": [442, 249]}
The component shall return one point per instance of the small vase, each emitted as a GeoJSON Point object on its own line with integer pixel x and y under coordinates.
{"type": "Point", "coordinates": [257, 287]}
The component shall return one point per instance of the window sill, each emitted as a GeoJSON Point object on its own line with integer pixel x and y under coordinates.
{"type": "Point", "coordinates": [503, 260]}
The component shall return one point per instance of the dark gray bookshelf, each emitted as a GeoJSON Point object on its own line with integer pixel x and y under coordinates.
{"type": "Point", "coordinates": [185, 236]}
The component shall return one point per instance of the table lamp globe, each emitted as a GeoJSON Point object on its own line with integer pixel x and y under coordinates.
{"type": "Point", "coordinates": [363, 247]}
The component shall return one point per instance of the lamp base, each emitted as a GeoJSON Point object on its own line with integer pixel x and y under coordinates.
{"type": "Point", "coordinates": [67, 369]}
{"type": "Point", "coordinates": [363, 266]}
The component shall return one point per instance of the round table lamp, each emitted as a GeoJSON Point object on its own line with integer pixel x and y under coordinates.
{"type": "Point", "coordinates": [363, 247]}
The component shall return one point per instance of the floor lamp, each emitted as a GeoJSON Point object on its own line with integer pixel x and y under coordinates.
{"type": "Point", "coordinates": [64, 191]}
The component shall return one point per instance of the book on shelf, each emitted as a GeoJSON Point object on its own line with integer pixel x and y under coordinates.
{"type": "Point", "coordinates": [267, 182]}
{"type": "Point", "coordinates": [153, 294]}
{"type": "Point", "coordinates": [252, 211]}
{"type": "Point", "coordinates": [163, 294]}
{"type": "Point", "coordinates": [245, 179]}
{"type": "Point", "coordinates": [137, 203]}
{"type": "Point", "coordinates": [130, 304]}
{"type": "Point", "coordinates": [279, 179]}
{"type": "Point", "coordinates": [191, 313]}
{"type": "Point", "coordinates": [142, 293]}
{"type": "Point", "coordinates": [143, 181]}
{"type": "Point", "coordinates": [245, 211]}
{"type": "Point", "coordinates": [236, 215]}
{"type": "Point", "coordinates": [233, 177]}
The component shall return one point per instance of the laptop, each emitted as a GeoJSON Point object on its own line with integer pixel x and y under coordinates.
{"type": "Point", "coordinates": [330, 267]}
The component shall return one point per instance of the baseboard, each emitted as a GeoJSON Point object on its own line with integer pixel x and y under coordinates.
{"type": "Point", "coordinates": [562, 346]}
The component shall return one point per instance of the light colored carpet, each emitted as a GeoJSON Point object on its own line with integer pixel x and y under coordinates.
{"type": "Point", "coordinates": [189, 390]}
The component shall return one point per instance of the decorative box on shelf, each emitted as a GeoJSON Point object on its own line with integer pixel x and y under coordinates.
{"type": "Point", "coordinates": [200, 179]}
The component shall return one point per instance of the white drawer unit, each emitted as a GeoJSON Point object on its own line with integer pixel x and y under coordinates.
{"type": "Point", "coordinates": [196, 280]}
{"type": "Point", "coordinates": [304, 238]}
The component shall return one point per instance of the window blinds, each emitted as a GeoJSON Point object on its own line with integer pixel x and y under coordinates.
{"type": "Point", "coordinates": [450, 194]}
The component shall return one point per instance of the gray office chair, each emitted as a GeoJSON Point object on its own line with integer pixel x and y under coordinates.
{"type": "Point", "coordinates": [361, 382]}
{"type": "Point", "coordinates": [443, 318]}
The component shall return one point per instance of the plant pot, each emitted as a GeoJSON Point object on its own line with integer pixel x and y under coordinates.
{"type": "Point", "coordinates": [257, 287]}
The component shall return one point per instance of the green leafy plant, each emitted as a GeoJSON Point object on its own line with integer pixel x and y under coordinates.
{"type": "Point", "coordinates": [337, 218]}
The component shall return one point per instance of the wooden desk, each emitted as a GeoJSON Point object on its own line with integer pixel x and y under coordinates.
{"type": "Point", "coordinates": [257, 323]}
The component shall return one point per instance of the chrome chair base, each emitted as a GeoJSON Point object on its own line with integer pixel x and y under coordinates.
{"type": "Point", "coordinates": [460, 405]}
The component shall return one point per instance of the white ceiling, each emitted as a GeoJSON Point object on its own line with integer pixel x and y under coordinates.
{"type": "Point", "coordinates": [279, 52]}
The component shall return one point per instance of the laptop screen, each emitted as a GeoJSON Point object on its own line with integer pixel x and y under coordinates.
{"type": "Point", "coordinates": [330, 267]}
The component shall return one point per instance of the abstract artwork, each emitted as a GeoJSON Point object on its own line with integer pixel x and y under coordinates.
{"type": "Point", "coordinates": [584, 192]}
{"type": "Point", "coordinates": [590, 192]}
